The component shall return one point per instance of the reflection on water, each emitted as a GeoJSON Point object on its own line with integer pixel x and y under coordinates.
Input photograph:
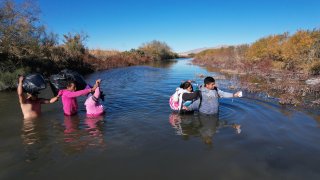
{"type": "Point", "coordinates": [204, 126]}
{"type": "Point", "coordinates": [32, 138]}
{"type": "Point", "coordinates": [30, 135]}
{"type": "Point", "coordinates": [95, 125]}
{"type": "Point", "coordinates": [72, 132]}
{"type": "Point", "coordinates": [79, 137]}
{"type": "Point", "coordinates": [163, 64]}
{"type": "Point", "coordinates": [252, 138]}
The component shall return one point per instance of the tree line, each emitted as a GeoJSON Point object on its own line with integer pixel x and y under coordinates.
{"type": "Point", "coordinates": [26, 46]}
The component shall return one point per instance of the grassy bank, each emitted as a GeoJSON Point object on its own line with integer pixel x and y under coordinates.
{"type": "Point", "coordinates": [287, 66]}
{"type": "Point", "coordinates": [85, 62]}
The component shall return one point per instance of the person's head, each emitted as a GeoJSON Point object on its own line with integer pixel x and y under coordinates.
{"type": "Point", "coordinates": [209, 82]}
{"type": "Point", "coordinates": [71, 85]}
{"type": "Point", "coordinates": [187, 85]}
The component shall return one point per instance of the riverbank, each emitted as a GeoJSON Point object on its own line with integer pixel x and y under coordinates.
{"type": "Point", "coordinates": [281, 65]}
{"type": "Point", "coordinates": [293, 88]}
{"type": "Point", "coordinates": [85, 62]}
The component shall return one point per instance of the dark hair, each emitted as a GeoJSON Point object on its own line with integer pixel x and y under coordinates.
{"type": "Point", "coordinates": [208, 80]}
{"type": "Point", "coordinates": [185, 85]}
{"type": "Point", "coordinates": [69, 82]}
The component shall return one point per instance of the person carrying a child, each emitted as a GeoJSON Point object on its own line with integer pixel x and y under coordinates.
{"type": "Point", "coordinates": [183, 97]}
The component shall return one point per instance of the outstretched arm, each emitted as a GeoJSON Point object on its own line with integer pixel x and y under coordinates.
{"type": "Point", "coordinates": [54, 99]}
{"type": "Point", "coordinates": [81, 92]}
{"type": "Point", "coordinates": [238, 94]}
{"type": "Point", "coordinates": [50, 101]}
{"type": "Point", "coordinates": [77, 93]}
{"type": "Point", "coordinates": [22, 98]}
{"type": "Point", "coordinates": [224, 94]}
{"type": "Point", "coordinates": [228, 95]}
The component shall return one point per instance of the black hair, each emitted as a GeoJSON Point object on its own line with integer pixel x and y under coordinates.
{"type": "Point", "coordinates": [185, 85]}
{"type": "Point", "coordinates": [71, 81]}
{"type": "Point", "coordinates": [208, 80]}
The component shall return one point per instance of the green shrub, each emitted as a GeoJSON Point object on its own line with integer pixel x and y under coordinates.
{"type": "Point", "coordinates": [8, 80]}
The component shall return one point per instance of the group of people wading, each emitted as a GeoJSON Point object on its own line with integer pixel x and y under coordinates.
{"type": "Point", "coordinates": [203, 99]}
{"type": "Point", "coordinates": [31, 104]}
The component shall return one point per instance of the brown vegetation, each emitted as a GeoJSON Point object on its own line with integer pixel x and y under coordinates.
{"type": "Point", "coordinates": [282, 62]}
{"type": "Point", "coordinates": [299, 52]}
{"type": "Point", "coordinates": [101, 59]}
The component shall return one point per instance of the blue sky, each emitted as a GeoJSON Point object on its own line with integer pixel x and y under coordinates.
{"type": "Point", "coordinates": [183, 24]}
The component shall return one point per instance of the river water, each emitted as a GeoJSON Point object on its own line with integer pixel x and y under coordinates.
{"type": "Point", "coordinates": [140, 138]}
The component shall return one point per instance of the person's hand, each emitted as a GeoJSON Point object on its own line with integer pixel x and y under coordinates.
{"type": "Point", "coordinates": [238, 94]}
{"type": "Point", "coordinates": [185, 108]}
{"type": "Point", "coordinates": [237, 127]}
{"type": "Point", "coordinates": [21, 78]}
{"type": "Point", "coordinates": [98, 81]}
{"type": "Point", "coordinates": [54, 99]}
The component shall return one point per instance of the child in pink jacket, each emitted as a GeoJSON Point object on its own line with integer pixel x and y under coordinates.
{"type": "Point", "coordinates": [93, 106]}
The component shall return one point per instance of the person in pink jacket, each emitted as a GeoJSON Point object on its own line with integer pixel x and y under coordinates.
{"type": "Point", "coordinates": [93, 106]}
{"type": "Point", "coordinates": [69, 97]}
